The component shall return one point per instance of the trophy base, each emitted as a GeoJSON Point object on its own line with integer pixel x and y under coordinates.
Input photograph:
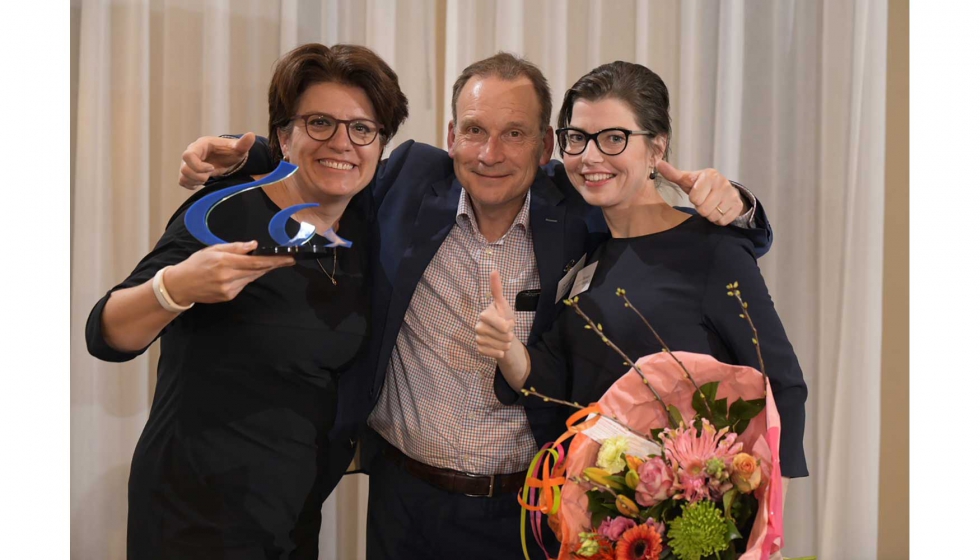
{"type": "Point", "coordinates": [300, 252]}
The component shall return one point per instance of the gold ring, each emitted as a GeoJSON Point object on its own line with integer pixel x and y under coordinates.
{"type": "Point", "coordinates": [720, 211]}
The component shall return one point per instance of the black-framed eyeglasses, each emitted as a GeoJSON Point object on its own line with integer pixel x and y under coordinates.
{"type": "Point", "coordinates": [610, 141]}
{"type": "Point", "coordinates": [322, 127]}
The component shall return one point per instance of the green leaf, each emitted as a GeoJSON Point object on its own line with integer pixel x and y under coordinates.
{"type": "Point", "coordinates": [732, 530]}
{"type": "Point", "coordinates": [744, 510]}
{"type": "Point", "coordinates": [720, 410]}
{"type": "Point", "coordinates": [699, 406]}
{"type": "Point", "coordinates": [675, 415]}
{"type": "Point", "coordinates": [727, 501]}
{"type": "Point", "coordinates": [621, 480]}
{"type": "Point", "coordinates": [601, 502]}
{"type": "Point", "coordinates": [655, 434]}
{"type": "Point", "coordinates": [660, 511]}
{"type": "Point", "coordinates": [730, 553]}
{"type": "Point", "coordinates": [648, 512]}
{"type": "Point", "coordinates": [598, 517]}
{"type": "Point", "coordinates": [710, 390]}
{"type": "Point", "coordinates": [739, 426]}
{"type": "Point", "coordinates": [746, 410]}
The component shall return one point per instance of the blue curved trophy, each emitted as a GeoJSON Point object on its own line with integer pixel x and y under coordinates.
{"type": "Point", "coordinates": [298, 246]}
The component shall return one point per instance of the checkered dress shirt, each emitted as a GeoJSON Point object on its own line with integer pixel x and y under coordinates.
{"type": "Point", "coordinates": [438, 404]}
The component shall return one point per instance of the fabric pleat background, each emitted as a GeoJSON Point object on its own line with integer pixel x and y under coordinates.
{"type": "Point", "coordinates": [786, 97]}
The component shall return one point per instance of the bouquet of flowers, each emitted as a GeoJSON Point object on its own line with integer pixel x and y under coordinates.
{"type": "Point", "coordinates": [678, 460]}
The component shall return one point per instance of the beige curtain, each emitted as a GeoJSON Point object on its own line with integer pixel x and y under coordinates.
{"type": "Point", "coordinates": [787, 97]}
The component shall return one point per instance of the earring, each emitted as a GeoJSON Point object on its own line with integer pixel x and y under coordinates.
{"type": "Point", "coordinates": [653, 173]}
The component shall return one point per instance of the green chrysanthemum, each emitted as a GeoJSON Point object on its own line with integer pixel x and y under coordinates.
{"type": "Point", "coordinates": [700, 531]}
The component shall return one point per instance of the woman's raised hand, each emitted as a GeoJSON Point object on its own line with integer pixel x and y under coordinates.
{"type": "Point", "coordinates": [218, 273]}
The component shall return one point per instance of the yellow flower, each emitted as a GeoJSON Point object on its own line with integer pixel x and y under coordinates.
{"type": "Point", "coordinates": [611, 454]}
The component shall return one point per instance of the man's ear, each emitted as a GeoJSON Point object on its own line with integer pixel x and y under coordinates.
{"type": "Point", "coordinates": [451, 137]}
{"type": "Point", "coordinates": [549, 146]}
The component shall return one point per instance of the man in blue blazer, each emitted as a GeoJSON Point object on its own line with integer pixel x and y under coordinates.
{"type": "Point", "coordinates": [446, 458]}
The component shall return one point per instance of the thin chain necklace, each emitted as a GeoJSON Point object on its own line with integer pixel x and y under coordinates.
{"type": "Point", "coordinates": [329, 275]}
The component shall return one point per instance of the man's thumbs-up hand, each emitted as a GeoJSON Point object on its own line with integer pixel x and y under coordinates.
{"type": "Point", "coordinates": [495, 326]}
{"type": "Point", "coordinates": [495, 337]}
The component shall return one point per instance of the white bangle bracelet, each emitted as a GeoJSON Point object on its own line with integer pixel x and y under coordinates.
{"type": "Point", "coordinates": [163, 298]}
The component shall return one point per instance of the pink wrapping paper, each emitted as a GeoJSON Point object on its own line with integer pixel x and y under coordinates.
{"type": "Point", "coordinates": [630, 401]}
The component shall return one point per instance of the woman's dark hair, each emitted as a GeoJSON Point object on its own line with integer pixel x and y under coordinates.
{"type": "Point", "coordinates": [634, 84]}
{"type": "Point", "coordinates": [350, 65]}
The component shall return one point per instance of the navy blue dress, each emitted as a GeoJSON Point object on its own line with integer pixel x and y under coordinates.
{"type": "Point", "coordinates": [677, 280]}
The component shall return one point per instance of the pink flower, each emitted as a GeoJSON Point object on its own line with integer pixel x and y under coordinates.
{"type": "Point", "coordinates": [689, 454]}
{"type": "Point", "coordinates": [657, 526]}
{"type": "Point", "coordinates": [612, 529]}
{"type": "Point", "coordinates": [656, 481]}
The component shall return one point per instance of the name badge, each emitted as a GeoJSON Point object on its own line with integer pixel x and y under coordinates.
{"type": "Point", "coordinates": [583, 279]}
{"type": "Point", "coordinates": [566, 281]}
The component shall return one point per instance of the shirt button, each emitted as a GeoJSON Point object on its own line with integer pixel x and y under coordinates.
{"type": "Point", "coordinates": [489, 251]}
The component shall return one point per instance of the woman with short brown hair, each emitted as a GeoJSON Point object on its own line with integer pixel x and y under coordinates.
{"type": "Point", "coordinates": [235, 459]}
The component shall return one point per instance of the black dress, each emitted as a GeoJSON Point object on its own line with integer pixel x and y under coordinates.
{"type": "Point", "coordinates": [677, 280]}
{"type": "Point", "coordinates": [234, 457]}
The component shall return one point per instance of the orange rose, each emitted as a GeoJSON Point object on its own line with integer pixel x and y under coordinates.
{"type": "Point", "coordinates": [746, 473]}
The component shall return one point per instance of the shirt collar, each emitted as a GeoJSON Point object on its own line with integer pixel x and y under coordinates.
{"type": "Point", "coordinates": [465, 216]}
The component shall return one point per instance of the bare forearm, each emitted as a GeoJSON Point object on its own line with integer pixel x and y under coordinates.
{"type": "Point", "coordinates": [515, 366]}
{"type": "Point", "coordinates": [133, 318]}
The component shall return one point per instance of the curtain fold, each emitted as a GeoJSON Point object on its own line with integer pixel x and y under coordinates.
{"type": "Point", "coordinates": [850, 253]}
{"type": "Point", "coordinates": [787, 97]}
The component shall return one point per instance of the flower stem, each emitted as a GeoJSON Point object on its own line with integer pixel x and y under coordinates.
{"type": "Point", "coordinates": [573, 303]}
{"type": "Point", "coordinates": [737, 294]}
{"type": "Point", "coordinates": [546, 398]}
{"type": "Point", "coordinates": [711, 413]}
{"type": "Point", "coordinates": [594, 485]}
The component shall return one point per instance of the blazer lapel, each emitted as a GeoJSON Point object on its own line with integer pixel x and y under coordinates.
{"type": "Point", "coordinates": [436, 218]}
{"type": "Point", "coordinates": [548, 236]}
